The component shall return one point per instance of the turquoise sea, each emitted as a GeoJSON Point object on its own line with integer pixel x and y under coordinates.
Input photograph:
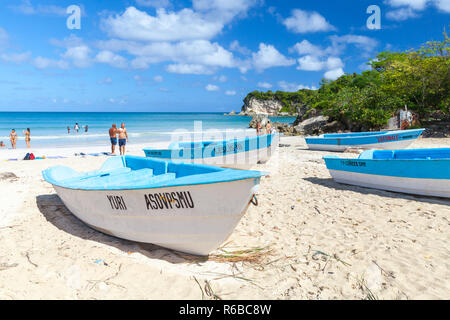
{"type": "Point", "coordinates": [49, 129]}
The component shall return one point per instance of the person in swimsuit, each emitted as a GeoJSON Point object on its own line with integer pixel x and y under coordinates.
{"type": "Point", "coordinates": [258, 128]}
{"type": "Point", "coordinates": [123, 138]}
{"type": "Point", "coordinates": [77, 127]}
{"type": "Point", "coordinates": [268, 127]}
{"type": "Point", "coordinates": [113, 137]}
{"type": "Point", "coordinates": [13, 138]}
{"type": "Point", "coordinates": [2, 145]}
{"type": "Point", "coordinates": [68, 130]}
{"type": "Point", "coordinates": [27, 137]}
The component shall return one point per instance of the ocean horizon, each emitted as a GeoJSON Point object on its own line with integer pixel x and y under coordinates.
{"type": "Point", "coordinates": [49, 129]}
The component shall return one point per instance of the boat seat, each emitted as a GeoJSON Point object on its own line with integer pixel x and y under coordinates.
{"type": "Point", "coordinates": [96, 174]}
{"type": "Point", "coordinates": [116, 178]}
{"type": "Point", "coordinates": [383, 155]}
{"type": "Point", "coordinates": [140, 180]}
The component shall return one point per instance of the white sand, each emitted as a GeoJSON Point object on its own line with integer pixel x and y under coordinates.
{"type": "Point", "coordinates": [391, 245]}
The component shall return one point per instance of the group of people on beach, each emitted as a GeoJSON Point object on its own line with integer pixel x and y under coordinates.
{"type": "Point", "coordinates": [76, 128]}
{"type": "Point", "coordinates": [267, 130]}
{"type": "Point", "coordinates": [123, 138]}
{"type": "Point", "coordinates": [13, 138]}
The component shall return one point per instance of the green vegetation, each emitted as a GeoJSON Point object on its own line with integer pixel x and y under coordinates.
{"type": "Point", "coordinates": [418, 79]}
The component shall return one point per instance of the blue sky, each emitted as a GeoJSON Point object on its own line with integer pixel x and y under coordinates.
{"type": "Point", "coordinates": [199, 55]}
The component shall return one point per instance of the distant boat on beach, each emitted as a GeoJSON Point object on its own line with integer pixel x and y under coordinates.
{"type": "Point", "coordinates": [187, 207]}
{"type": "Point", "coordinates": [389, 140]}
{"type": "Point", "coordinates": [234, 153]}
{"type": "Point", "coordinates": [416, 171]}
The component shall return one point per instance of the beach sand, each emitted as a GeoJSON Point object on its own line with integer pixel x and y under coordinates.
{"type": "Point", "coordinates": [320, 240]}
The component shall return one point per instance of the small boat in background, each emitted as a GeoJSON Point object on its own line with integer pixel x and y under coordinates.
{"type": "Point", "coordinates": [181, 206]}
{"type": "Point", "coordinates": [416, 171]}
{"type": "Point", "coordinates": [389, 140]}
{"type": "Point", "coordinates": [234, 153]}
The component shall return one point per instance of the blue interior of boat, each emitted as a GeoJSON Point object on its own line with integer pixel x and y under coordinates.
{"type": "Point", "coordinates": [191, 145]}
{"type": "Point", "coordinates": [131, 172]}
{"type": "Point", "coordinates": [207, 149]}
{"type": "Point", "coordinates": [411, 154]}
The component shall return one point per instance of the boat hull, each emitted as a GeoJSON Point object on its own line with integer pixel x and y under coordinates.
{"type": "Point", "coordinates": [420, 177]}
{"type": "Point", "coordinates": [390, 140]}
{"type": "Point", "coordinates": [426, 187]}
{"type": "Point", "coordinates": [195, 219]}
{"type": "Point", "coordinates": [242, 155]}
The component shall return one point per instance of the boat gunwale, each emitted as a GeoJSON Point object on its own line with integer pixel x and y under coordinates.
{"type": "Point", "coordinates": [151, 188]}
{"type": "Point", "coordinates": [219, 176]}
{"type": "Point", "coordinates": [322, 138]}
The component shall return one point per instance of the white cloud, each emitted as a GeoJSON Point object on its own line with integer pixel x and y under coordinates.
{"type": "Point", "coordinates": [107, 80]}
{"type": "Point", "coordinates": [212, 87]}
{"type": "Point", "coordinates": [158, 79]}
{"type": "Point", "coordinates": [79, 56]}
{"type": "Point", "coordinates": [197, 52]}
{"type": "Point", "coordinates": [26, 7]}
{"type": "Point", "coordinates": [334, 63]}
{"type": "Point", "coordinates": [443, 5]}
{"type": "Point", "coordinates": [334, 74]}
{"type": "Point", "coordinates": [16, 57]}
{"type": "Point", "coordinates": [188, 69]}
{"type": "Point", "coordinates": [44, 63]}
{"type": "Point", "coordinates": [340, 43]}
{"type": "Point", "coordinates": [68, 42]}
{"type": "Point", "coordinates": [413, 4]}
{"type": "Point", "coordinates": [311, 63]}
{"type": "Point", "coordinates": [153, 3]}
{"type": "Point", "coordinates": [223, 10]}
{"type": "Point", "coordinates": [306, 47]}
{"type": "Point", "coordinates": [293, 87]}
{"type": "Point", "coordinates": [235, 46]}
{"type": "Point", "coordinates": [410, 8]}
{"type": "Point", "coordinates": [112, 59]}
{"type": "Point", "coordinates": [264, 85]}
{"type": "Point", "coordinates": [304, 22]}
{"type": "Point", "coordinates": [230, 93]}
{"type": "Point", "coordinates": [401, 14]}
{"type": "Point", "coordinates": [3, 36]}
{"type": "Point", "coordinates": [268, 57]}
{"type": "Point", "coordinates": [186, 24]}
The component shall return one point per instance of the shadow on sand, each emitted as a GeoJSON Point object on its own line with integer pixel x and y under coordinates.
{"type": "Point", "coordinates": [54, 210]}
{"type": "Point", "coordinates": [330, 183]}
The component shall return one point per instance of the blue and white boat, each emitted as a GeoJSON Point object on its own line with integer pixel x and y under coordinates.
{"type": "Point", "coordinates": [234, 153]}
{"type": "Point", "coordinates": [416, 171]}
{"type": "Point", "coordinates": [389, 140]}
{"type": "Point", "coordinates": [181, 206]}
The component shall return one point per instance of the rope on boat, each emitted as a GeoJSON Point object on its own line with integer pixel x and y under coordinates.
{"type": "Point", "coordinates": [254, 201]}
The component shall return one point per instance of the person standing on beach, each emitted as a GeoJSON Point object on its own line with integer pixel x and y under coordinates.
{"type": "Point", "coordinates": [258, 128]}
{"type": "Point", "coordinates": [113, 137]}
{"type": "Point", "coordinates": [77, 127]}
{"type": "Point", "coordinates": [13, 138]}
{"type": "Point", "coordinates": [268, 127]}
{"type": "Point", "coordinates": [27, 137]}
{"type": "Point", "coordinates": [68, 129]}
{"type": "Point", "coordinates": [123, 138]}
